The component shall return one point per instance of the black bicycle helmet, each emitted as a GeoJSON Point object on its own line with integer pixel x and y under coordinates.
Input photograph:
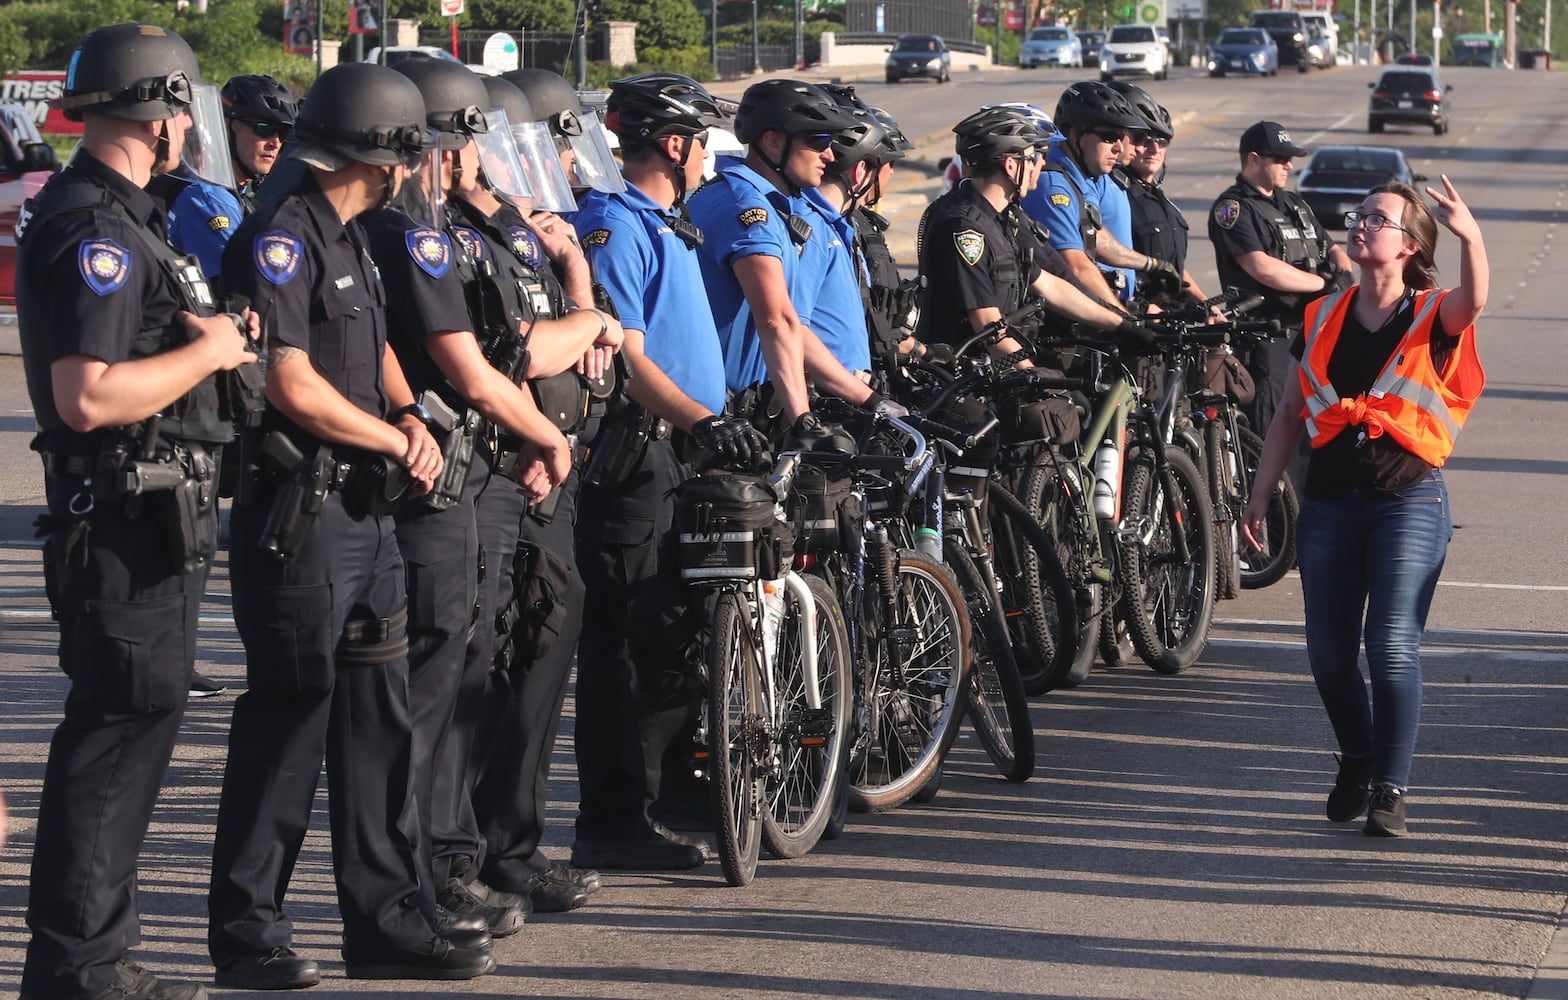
{"type": "Point", "coordinates": [364, 112]}
{"type": "Point", "coordinates": [1092, 104]}
{"type": "Point", "coordinates": [553, 100]}
{"type": "Point", "coordinates": [866, 140]}
{"type": "Point", "coordinates": [455, 97]}
{"type": "Point", "coordinates": [992, 133]}
{"type": "Point", "coordinates": [789, 106]}
{"type": "Point", "coordinates": [259, 98]}
{"type": "Point", "coordinates": [895, 135]}
{"type": "Point", "coordinates": [505, 95]}
{"type": "Point", "coordinates": [649, 105]}
{"type": "Point", "coordinates": [1156, 119]}
{"type": "Point", "coordinates": [135, 72]}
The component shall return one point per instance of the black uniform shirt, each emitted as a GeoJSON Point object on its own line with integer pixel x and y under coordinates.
{"type": "Point", "coordinates": [85, 285]}
{"type": "Point", "coordinates": [1158, 227]}
{"type": "Point", "coordinates": [1243, 219]}
{"type": "Point", "coordinates": [971, 257]}
{"type": "Point", "coordinates": [424, 292]}
{"type": "Point", "coordinates": [314, 286]}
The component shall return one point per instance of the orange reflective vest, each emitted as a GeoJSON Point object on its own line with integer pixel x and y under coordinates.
{"type": "Point", "coordinates": [1420, 407]}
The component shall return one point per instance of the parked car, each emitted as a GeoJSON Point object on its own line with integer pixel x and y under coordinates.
{"type": "Point", "coordinates": [1133, 50]}
{"type": "Point", "coordinates": [919, 55]}
{"type": "Point", "coordinates": [1336, 178]}
{"type": "Point", "coordinates": [1289, 32]}
{"type": "Point", "coordinates": [1054, 46]}
{"type": "Point", "coordinates": [1244, 50]}
{"type": "Point", "coordinates": [1091, 42]}
{"type": "Point", "coordinates": [25, 164]}
{"type": "Point", "coordinates": [1409, 95]}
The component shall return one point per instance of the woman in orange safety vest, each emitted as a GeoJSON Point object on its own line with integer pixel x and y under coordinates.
{"type": "Point", "coordinates": [1389, 372]}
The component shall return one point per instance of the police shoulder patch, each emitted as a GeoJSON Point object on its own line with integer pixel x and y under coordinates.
{"type": "Point", "coordinates": [105, 265]}
{"type": "Point", "coordinates": [753, 216]}
{"type": "Point", "coordinates": [525, 244]}
{"type": "Point", "coordinates": [430, 249]}
{"type": "Point", "coordinates": [470, 241]}
{"type": "Point", "coordinates": [597, 238]}
{"type": "Point", "coordinates": [1226, 212]}
{"type": "Point", "coordinates": [971, 245]}
{"type": "Point", "coordinates": [220, 223]}
{"type": "Point", "coordinates": [277, 255]}
{"type": "Point", "coordinates": [1061, 200]}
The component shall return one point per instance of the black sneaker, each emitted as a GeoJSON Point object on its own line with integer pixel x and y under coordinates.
{"type": "Point", "coordinates": [137, 982]}
{"type": "Point", "coordinates": [203, 686]}
{"type": "Point", "coordinates": [438, 959]}
{"type": "Point", "coordinates": [462, 900]}
{"type": "Point", "coordinates": [649, 852]}
{"type": "Point", "coordinates": [280, 969]}
{"type": "Point", "coordinates": [1352, 788]}
{"type": "Point", "coordinates": [1386, 817]}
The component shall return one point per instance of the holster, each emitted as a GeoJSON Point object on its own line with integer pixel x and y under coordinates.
{"type": "Point", "coordinates": [622, 442]}
{"type": "Point", "coordinates": [190, 508]}
{"type": "Point", "coordinates": [527, 628]}
{"type": "Point", "coordinates": [298, 498]}
{"type": "Point", "coordinates": [457, 431]}
{"type": "Point", "coordinates": [544, 510]}
{"type": "Point", "coordinates": [374, 485]}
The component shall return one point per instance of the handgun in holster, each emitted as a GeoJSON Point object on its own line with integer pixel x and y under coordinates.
{"type": "Point", "coordinates": [544, 510]}
{"type": "Point", "coordinates": [299, 496]}
{"type": "Point", "coordinates": [457, 432]}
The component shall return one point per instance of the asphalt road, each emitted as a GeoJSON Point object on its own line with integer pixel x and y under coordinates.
{"type": "Point", "coordinates": [1172, 843]}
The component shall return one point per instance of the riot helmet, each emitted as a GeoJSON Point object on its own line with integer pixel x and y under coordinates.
{"type": "Point", "coordinates": [455, 97]}
{"type": "Point", "coordinates": [576, 132]}
{"type": "Point", "coordinates": [362, 112]}
{"type": "Point", "coordinates": [1156, 119]}
{"type": "Point", "coordinates": [1091, 105]}
{"type": "Point", "coordinates": [541, 181]}
{"type": "Point", "coordinates": [134, 72]}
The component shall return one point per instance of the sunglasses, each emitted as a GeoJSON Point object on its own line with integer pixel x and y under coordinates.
{"type": "Point", "coordinates": [1375, 222]}
{"type": "Point", "coordinates": [701, 137]}
{"type": "Point", "coordinates": [269, 130]}
{"type": "Point", "coordinates": [1150, 140]}
{"type": "Point", "coordinates": [1283, 161]}
{"type": "Point", "coordinates": [817, 143]}
{"type": "Point", "coordinates": [1111, 138]}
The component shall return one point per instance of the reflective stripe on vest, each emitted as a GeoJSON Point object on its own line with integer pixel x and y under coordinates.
{"type": "Point", "coordinates": [1419, 409]}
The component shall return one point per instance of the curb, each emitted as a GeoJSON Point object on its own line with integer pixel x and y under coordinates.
{"type": "Point", "coordinates": [10, 336]}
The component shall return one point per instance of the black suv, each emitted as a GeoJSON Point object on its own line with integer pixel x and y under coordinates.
{"type": "Point", "coordinates": [919, 55]}
{"type": "Point", "coordinates": [1290, 34]}
{"type": "Point", "coordinates": [1411, 95]}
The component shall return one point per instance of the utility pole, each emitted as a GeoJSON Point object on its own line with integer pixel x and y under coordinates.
{"type": "Point", "coordinates": [580, 45]}
{"type": "Point", "coordinates": [800, 37]}
{"type": "Point", "coordinates": [756, 46]}
{"type": "Point", "coordinates": [713, 11]}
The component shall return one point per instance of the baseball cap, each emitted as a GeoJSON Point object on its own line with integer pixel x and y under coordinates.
{"type": "Point", "coordinates": [1270, 139]}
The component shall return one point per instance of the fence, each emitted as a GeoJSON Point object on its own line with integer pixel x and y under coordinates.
{"type": "Point", "coordinates": [736, 60]}
{"type": "Point", "coordinates": [544, 49]}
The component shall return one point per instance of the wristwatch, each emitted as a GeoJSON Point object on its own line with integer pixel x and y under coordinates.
{"type": "Point", "coordinates": [415, 410]}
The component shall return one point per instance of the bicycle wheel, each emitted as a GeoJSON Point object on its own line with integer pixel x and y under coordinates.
{"type": "Point", "coordinates": [1262, 569]}
{"type": "Point", "coordinates": [1037, 597]}
{"type": "Point", "coordinates": [908, 714]}
{"type": "Point", "coordinates": [1221, 465]}
{"type": "Point", "coordinates": [1115, 643]}
{"type": "Point", "coordinates": [1055, 500]}
{"type": "Point", "coordinates": [800, 791]}
{"type": "Point", "coordinates": [736, 734]}
{"type": "Point", "coordinates": [1169, 602]}
{"type": "Point", "coordinates": [994, 700]}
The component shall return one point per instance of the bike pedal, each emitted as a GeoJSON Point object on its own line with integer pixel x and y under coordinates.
{"type": "Point", "coordinates": [815, 726]}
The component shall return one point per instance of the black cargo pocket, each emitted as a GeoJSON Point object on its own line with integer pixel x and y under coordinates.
{"type": "Point", "coordinates": [440, 594]}
{"type": "Point", "coordinates": [130, 656]}
{"type": "Point", "coordinates": [289, 639]}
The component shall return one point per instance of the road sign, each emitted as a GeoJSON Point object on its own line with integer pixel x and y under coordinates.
{"type": "Point", "coordinates": [1151, 12]}
{"type": "Point", "coordinates": [1189, 10]}
{"type": "Point", "coordinates": [451, 8]}
{"type": "Point", "coordinates": [500, 53]}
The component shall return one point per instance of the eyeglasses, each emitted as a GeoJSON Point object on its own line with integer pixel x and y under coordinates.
{"type": "Point", "coordinates": [819, 142]}
{"type": "Point", "coordinates": [1111, 138]}
{"type": "Point", "coordinates": [1150, 140]}
{"type": "Point", "coordinates": [701, 137]}
{"type": "Point", "coordinates": [269, 130]}
{"type": "Point", "coordinates": [1374, 221]}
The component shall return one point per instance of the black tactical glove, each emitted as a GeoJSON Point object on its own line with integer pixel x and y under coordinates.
{"type": "Point", "coordinates": [941, 354]}
{"type": "Point", "coordinates": [883, 406]}
{"type": "Point", "coordinates": [731, 439]}
{"type": "Point", "coordinates": [810, 433]}
{"type": "Point", "coordinates": [1335, 280]}
{"type": "Point", "coordinates": [1133, 335]}
{"type": "Point", "coordinates": [1162, 276]}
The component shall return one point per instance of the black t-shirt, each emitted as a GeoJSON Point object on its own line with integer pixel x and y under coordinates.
{"type": "Point", "coordinates": [1350, 460]}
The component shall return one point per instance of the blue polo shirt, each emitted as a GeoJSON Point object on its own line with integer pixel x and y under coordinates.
{"type": "Point", "coordinates": [1116, 213]}
{"type": "Point", "coordinates": [741, 214]}
{"type": "Point", "coordinates": [1054, 204]}
{"type": "Point", "coordinates": [656, 282]}
{"type": "Point", "coordinates": [839, 315]}
{"type": "Point", "coordinates": [202, 217]}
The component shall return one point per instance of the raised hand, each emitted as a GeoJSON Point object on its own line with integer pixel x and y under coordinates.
{"type": "Point", "coordinates": [1451, 212]}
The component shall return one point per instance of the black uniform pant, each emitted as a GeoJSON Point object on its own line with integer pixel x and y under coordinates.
{"type": "Point", "coordinates": [440, 550]}
{"type": "Point", "coordinates": [1272, 367]}
{"type": "Point", "coordinates": [128, 644]}
{"type": "Point", "coordinates": [302, 705]}
{"type": "Point", "coordinates": [626, 718]}
{"type": "Point", "coordinates": [521, 708]}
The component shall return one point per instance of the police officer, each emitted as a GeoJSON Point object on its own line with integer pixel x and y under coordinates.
{"type": "Point", "coordinates": [1268, 242]}
{"type": "Point", "coordinates": [1158, 227]}
{"type": "Point", "coordinates": [121, 348]}
{"type": "Point", "coordinates": [261, 114]}
{"type": "Point", "coordinates": [423, 261]}
{"type": "Point", "coordinates": [575, 131]}
{"type": "Point", "coordinates": [976, 249]}
{"type": "Point", "coordinates": [1097, 123]}
{"type": "Point", "coordinates": [318, 583]}
{"type": "Point", "coordinates": [644, 250]}
{"type": "Point", "coordinates": [756, 229]}
{"type": "Point", "coordinates": [536, 599]}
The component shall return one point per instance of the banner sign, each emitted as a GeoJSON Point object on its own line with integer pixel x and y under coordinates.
{"type": "Point", "coordinates": [33, 89]}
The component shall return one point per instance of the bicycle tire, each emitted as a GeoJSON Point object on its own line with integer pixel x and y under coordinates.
{"type": "Point", "coordinates": [1268, 567]}
{"type": "Point", "coordinates": [735, 730]}
{"type": "Point", "coordinates": [994, 700]}
{"type": "Point", "coordinates": [1220, 462]}
{"type": "Point", "coordinates": [1115, 644]}
{"type": "Point", "coordinates": [1037, 597]}
{"type": "Point", "coordinates": [1170, 606]}
{"type": "Point", "coordinates": [1054, 499]}
{"type": "Point", "coordinates": [799, 797]}
{"type": "Point", "coordinates": [906, 731]}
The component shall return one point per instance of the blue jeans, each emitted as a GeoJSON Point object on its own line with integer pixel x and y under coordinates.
{"type": "Point", "coordinates": [1369, 565]}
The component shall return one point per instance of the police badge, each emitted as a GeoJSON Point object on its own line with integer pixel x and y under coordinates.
{"type": "Point", "coordinates": [277, 256]}
{"type": "Point", "coordinates": [104, 265]}
{"type": "Point", "coordinates": [431, 250]}
{"type": "Point", "coordinates": [971, 245]}
{"type": "Point", "coordinates": [1227, 212]}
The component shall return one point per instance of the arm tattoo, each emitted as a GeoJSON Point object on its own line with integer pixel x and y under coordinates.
{"type": "Point", "coordinates": [281, 353]}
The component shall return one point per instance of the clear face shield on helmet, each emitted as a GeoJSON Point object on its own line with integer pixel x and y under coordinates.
{"type": "Point", "coordinates": [419, 195]}
{"type": "Point", "coordinates": [504, 174]}
{"type": "Point", "coordinates": [593, 162]}
{"type": "Point", "coordinates": [552, 190]}
{"type": "Point", "coordinates": [205, 151]}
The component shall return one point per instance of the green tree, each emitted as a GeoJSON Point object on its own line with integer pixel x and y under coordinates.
{"type": "Point", "coordinates": [665, 24]}
{"type": "Point", "coordinates": [531, 15]}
